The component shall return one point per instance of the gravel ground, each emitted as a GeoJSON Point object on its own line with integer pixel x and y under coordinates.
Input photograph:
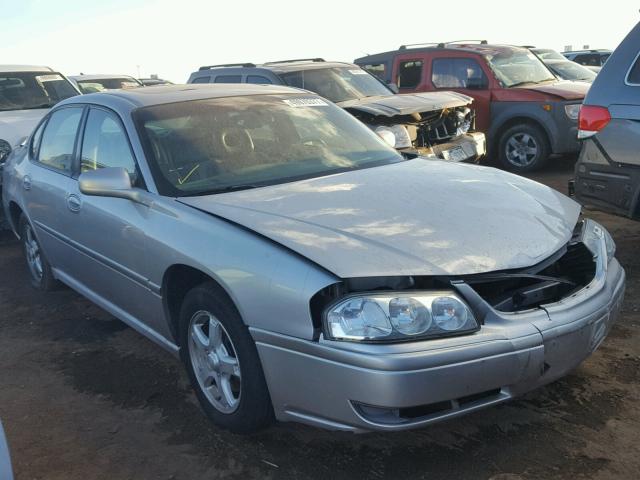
{"type": "Point", "coordinates": [82, 396]}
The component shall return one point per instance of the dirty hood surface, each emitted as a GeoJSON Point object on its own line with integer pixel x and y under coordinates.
{"type": "Point", "coordinates": [407, 103]}
{"type": "Point", "coordinates": [565, 90]}
{"type": "Point", "coordinates": [17, 124]}
{"type": "Point", "coordinates": [417, 217]}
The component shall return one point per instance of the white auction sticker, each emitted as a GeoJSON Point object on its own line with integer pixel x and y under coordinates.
{"type": "Point", "coordinates": [49, 78]}
{"type": "Point", "coordinates": [358, 72]}
{"type": "Point", "coordinates": [305, 102]}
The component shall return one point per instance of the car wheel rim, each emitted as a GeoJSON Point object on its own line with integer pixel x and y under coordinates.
{"type": "Point", "coordinates": [521, 149]}
{"type": "Point", "coordinates": [32, 249]}
{"type": "Point", "coordinates": [215, 362]}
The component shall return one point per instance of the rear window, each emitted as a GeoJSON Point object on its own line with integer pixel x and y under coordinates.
{"type": "Point", "coordinates": [634, 74]}
{"type": "Point", "coordinates": [410, 74]}
{"type": "Point", "coordinates": [258, 79]}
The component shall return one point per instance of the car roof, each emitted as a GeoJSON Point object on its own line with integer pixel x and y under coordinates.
{"type": "Point", "coordinates": [478, 48]}
{"type": "Point", "coordinates": [593, 50]}
{"type": "Point", "coordinates": [97, 76]}
{"type": "Point", "coordinates": [25, 68]}
{"type": "Point", "coordinates": [283, 66]}
{"type": "Point", "coordinates": [163, 94]}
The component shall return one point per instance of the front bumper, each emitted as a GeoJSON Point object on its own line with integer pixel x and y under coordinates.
{"type": "Point", "coordinates": [470, 147]}
{"type": "Point", "coordinates": [360, 387]}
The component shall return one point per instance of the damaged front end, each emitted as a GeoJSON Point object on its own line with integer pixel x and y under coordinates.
{"type": "Point", "coordinates": [438, 124]}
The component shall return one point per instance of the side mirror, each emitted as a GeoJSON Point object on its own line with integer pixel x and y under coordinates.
{"type": "Point", "coordinates": [393, 87]}
{"type": "Point", "coordinates": [477, 83]}
{"type": "Point", "coordinates": [110, 182]}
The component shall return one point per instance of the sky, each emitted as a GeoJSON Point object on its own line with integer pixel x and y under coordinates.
{"type": "Point", "coordinates": [172, 38]}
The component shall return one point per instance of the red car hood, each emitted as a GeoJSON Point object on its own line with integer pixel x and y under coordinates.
{"type": "Point", "coordinates": [564, 90]}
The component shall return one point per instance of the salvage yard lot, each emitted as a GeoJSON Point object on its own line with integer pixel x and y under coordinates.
{"type": "Point", "coordinates": [82, 396]}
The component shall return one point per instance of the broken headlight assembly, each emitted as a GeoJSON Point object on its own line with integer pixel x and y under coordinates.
{"type": "Point", "coordinates": [572, 110]}
{"type": "Point", "coordinates": [395, 135]}
{"type": "Point", "coordinates": [594, 235]}
{"type": "Point", "coordinates": [400, 316]}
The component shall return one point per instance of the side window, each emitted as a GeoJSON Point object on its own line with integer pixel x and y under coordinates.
{"type": "Point", "coordinates": [377, 69]}
{"type": "Point", "coordinates": [410, 74]}
{"type": "Point", "coordinates": [35, 140]}
{"type": "Point", "coordinates": [634, 74]}
{"type": "Point", "coordinates": [228, 79]}
{"type": "Point", "coordinates": [259, 79]}
{"type": "Point", "coordinates": [457, 73]}
{"type": "Point", "coordinates": [202, 80]}
{"type": "Point", "coordinates": [589, 59]}
{"type": "Point", "coordinates": [105, 143]}
{"type": "Point", "coordinates": [58, 139]}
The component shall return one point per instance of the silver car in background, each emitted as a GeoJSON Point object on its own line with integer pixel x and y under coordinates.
{"type": "Point", "coordinates": [6, 472]}
{"type": "Point", "coordinates": [303, 269]}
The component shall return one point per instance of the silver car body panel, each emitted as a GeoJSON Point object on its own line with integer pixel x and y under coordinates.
{"type": "Point", "coordinates": [16, 125]}
{"type": "Point", "coordinates": [271, 249]}
{"type": "Point", "coordinates": [413, 218]}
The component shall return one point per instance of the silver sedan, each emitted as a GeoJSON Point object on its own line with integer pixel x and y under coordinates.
{"type": "Point", "coordinates": [301, 268]}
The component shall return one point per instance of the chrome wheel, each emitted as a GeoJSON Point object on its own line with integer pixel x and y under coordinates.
{"type": "Point", "coordinates": [521, 149]}
{"type": "Point", "coordinates": [32, 250]}
{"type": "Point", "coordinates": [214, 361]}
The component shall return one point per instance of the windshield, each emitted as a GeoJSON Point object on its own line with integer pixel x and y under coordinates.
{"type": "Point", "coordinates": [96, 85]}
{"type": "Point", "coordinates": [337, 84]}
{"type": "Point", "coordinates": [548, 54]}
{"type": "Point", "coordinates": [519, 67]}
{"type": "Point", "coordinates": [223, 144]}
{"type": "Point", "coordinates": [572, 71]}
{"type": "Point", "coordinates": [30, 90]}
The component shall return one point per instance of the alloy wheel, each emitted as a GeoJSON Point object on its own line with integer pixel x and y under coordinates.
{"type": "Point", "coordinates": [32, 250]}
{"type": "Point", "coordinates": [521, 149]}
{"type": "Point", "coordinates": [215, 362]}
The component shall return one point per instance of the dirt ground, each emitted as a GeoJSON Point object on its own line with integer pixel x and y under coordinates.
{"type": "Point", "coordinates": [84, 397]}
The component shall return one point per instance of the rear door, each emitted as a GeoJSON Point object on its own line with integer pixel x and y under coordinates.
{"type": "Point", "coordinates": [467, 74]}
{"type": "Point", "coordinates": [48, 180]}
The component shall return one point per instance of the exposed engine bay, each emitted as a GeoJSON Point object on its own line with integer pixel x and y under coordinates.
{"type": "Point", "coordinates": [430, 124]}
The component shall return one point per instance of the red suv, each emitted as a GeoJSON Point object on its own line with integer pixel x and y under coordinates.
{"type": "Point", "coordinates": [526, 112]}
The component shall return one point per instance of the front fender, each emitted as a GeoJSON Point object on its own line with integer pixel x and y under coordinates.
{"type": "Point", "coordinates": [502, 113]}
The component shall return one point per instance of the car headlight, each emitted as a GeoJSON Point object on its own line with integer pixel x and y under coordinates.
{"type": "Point", "coordinates": [592, 235]}
{"type": "Point", "coordinates": [395, 135]}
{"type": "Point", "coordinates": [573, 110]}
{"type": "Point", "coordinates": [398, 316]}
{"type": "Point", "coordinates": [463, 121]}
{"type": "Point", "coordinates": [5, 150]}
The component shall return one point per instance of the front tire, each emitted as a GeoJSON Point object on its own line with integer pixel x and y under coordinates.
{"type": "Point", "coordinates": [40, 273]}
{"type": "Point", "coordinates": [222, 361]}
{"type": "Point", "coordinates": [523, 148]}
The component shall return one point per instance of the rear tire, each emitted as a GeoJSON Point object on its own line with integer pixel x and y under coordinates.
{"type": "Point", "coordinates": [222, 361]}
{"type": "Point", "coordinates": [523, 148]}
{"type": "Point", "coordinates": [40, 273]}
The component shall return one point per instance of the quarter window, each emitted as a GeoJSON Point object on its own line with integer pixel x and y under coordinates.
{"type": "Point", "coordinates": [105, 143]}
{"type": "Point", "coordinates": [457, 73]}
{"type": "Point", "coordinates": [259, 79]}
{"type": "Point", "coordinates": [58, 139]}
{"type": "Point", "coordinates": [201, 80]}
{"type": "Point", "coordinates": [634, 73]}
{"type": "Point", "coordinates": [377, 69]}
{"type": "Point", "coordinates": [410, 74]}
{"type": "Point", "coordinates": [228, 79]}
{"type": "Point", "coordinates": [35, 140]}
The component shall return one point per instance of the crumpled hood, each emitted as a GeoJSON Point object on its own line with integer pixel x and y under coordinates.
{"type": "Point", "coordinates": [417, 217]}
{"type": "Point", "coordinates": [17, 124]}
{"type": "Point", "coordinates": [407, 103]}
{"type": "Point", "coordinates": [565, 90]}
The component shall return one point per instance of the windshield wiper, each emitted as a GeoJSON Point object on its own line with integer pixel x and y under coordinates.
{"type": "Point", "coordinates": [231, 188]}
{"type": "Point", "coordinates": [42, 105]}
{"type": "Point", "coordinates": [520, 84]}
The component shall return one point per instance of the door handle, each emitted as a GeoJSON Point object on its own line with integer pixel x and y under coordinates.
{"type": "Point", "coordinates": [26, 182]}
{"type": "Point", "coordinates": [73, 202]}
